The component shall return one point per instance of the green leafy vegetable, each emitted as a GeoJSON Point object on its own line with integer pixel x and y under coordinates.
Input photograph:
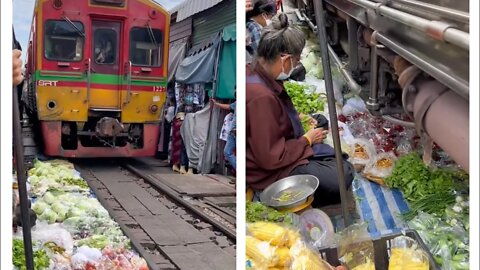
{"type": "Point", "coordinates": [426, 190]}
{"type": "Point", "coordinates": [304, 102]}
{"type": "Point", "coordinates": [256, 211]}
{"type": "Point", "coordinates": [40, 258]}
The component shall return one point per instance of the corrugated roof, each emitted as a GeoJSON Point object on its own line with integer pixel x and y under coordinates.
{"type": "Point", "coordinates": [189, 8]}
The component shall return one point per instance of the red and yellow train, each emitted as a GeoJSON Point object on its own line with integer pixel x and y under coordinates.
{"type": "Point", "coordinates": [97, 76]}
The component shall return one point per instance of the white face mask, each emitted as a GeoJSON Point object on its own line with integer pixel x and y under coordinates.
{"type": "Point", "coordinates": [267, 20]}
{"type": "Point", "coordinates": [283, 76]}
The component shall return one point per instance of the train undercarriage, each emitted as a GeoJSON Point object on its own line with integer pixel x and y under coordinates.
{"type": "Point", "coordinates": [404, 57]}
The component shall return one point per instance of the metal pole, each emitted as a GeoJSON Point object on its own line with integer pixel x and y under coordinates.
{"type": "Point", "coordinates": [21, 178]}
{"type": "Point", "coordinates": [322, 36]}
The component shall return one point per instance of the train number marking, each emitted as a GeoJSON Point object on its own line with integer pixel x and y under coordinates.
{"type": "Point", "coordinates": [47, 83]}
{"type": "Point", "coordinates": [159, 88]}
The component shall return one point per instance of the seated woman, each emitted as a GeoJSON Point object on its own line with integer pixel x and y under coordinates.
{"type": "Point", "coordinates": [277, 146]}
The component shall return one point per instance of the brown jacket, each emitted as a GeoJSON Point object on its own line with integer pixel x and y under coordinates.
{"type": "Point", "coordinates": [272, 151]}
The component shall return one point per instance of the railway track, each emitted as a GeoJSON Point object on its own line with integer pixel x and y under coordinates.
{"type": "Point", "coordinates": [170, 229]}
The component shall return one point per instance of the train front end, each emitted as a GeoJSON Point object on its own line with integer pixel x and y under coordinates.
{"type": "Point", "coordinates": [97, 73]}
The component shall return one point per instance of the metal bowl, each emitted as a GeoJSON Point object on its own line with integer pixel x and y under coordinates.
{"type": "Point", "coordinates": [289, 192]}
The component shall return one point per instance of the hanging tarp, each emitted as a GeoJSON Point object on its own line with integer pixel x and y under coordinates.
{"type": "Point", "coordinates": [198, 66]}
{"type": "Point", "coordinates": [227, 69]}
{"type": "Point", "coordinates": [195, 132]}
{"type": "Point", "coordinates": [176, 55]}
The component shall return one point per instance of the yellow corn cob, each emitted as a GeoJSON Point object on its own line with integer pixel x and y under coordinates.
{"type": "Point", "coordinates": [275, 234]}
{"type": "Point", "coordinates": [367, 266]}
{"type": "Point", "coordinates": [306, 259]}
{"type": "Point", "coordinates": [260, 252]}
{"type": "Point", "coordinates": [305, 262]}
{"type": "Point", "coordinates": [293, 237]}
{"type": "Point", "coordinates": [283, 255]}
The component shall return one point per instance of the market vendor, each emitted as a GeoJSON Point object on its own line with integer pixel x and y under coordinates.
{"type": "Point", "coordinates": [277, 145]}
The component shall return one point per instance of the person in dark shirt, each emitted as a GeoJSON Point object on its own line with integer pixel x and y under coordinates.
{"type": "Point", "coordinates": [277, 145]}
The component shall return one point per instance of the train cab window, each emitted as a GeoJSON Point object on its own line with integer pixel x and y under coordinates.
{"type": "Point", "coordinates": [105, 46]}
{"type": "Point", "coordinates": [64, 40]}
{"type": "Point", "coordinates": [146, 47]}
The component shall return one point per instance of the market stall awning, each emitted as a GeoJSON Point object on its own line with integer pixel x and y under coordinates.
{"type": "Point", "coordinates": [227, 69]}
{"type": "Point", "coordinates": [198, 66]}
{"type": "Point", "coordinates": [176, 55]}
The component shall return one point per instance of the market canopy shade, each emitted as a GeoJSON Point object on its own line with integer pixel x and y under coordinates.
{"type": "Point", "coordinates": [176, 55]}
{"type": "Point", "coordinates": [199, 65]}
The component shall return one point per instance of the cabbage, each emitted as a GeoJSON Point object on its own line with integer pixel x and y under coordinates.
{"type": "Point", "coordinates": [94, 241]}
{"type": "Point", "coordinates": [39, 207]}
{"type": "Point", "coordinates": [75, 212]}
{"type": "Point", "coordinates": [58, 206]}
{"type": "Point", "coordinates": [49, 215]}
{"type": "Point", "coordinates": [49, 198]}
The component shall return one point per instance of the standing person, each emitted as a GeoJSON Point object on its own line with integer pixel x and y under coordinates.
{"type": "Point", "coordinates": [258, 18]}
{"type": "Point", "coordinates": [277, 145]}
{"type": "Point", "coordinates": [231, 139]}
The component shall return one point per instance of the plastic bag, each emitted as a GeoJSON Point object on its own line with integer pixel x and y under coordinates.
{"type": "Point", "coordinates": [406, 255]}
{"type": "Point", "coordinates": [53, 233]}
{"type": "Point", "coordinates": [305, 258]}
{"type": "Point", "coordinates": [354, 105]}
{"type": "Point", "coordinates": [380, 167]}
{"type": "Point", "coordinates": [448, 244]}
{"type": "Point", "coordinates": [261, 252]}
{"type": "Point", "coordinates": [90, 254]}
{"type": "Point", "coordinates": [363, 151]}
{"type": "Point", "coordinates": [355, 247]}
{"type": "Point", "coordinates": [280, 247]}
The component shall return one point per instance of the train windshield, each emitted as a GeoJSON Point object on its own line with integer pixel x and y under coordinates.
{"type": "Point", "coordinates": [64, 40]}
{"type": "Point", "coordinates": [146, 46]}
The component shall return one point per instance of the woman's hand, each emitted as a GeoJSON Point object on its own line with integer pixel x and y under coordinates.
{"type": "Point", "coordinates": [316, 135]}
{"type": "Point", "coordinates": [17, 68]}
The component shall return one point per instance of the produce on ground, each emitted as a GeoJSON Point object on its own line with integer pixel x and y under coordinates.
{"type": "Point", "coordinates": [256, 211]}
{"type": "Point", "coordinates": [74, 231]}
{"type": "Point", "coordinates": [420, 185]}
{"type": "Point", "coordinates": [40, 258]}
{"type": "Point", "coordinates": [60, 176]}
{"type": "Point", "coordinates": [449, 244]}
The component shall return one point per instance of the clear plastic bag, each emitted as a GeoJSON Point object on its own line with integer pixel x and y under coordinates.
{"type": "Point", "coordinates": [305, 258]}
{"type": "Point", "coordinates": [355, 247]}
{"type": "Point", "coordinates": [362, 152]}
{"type": "Point", "coordinates": [407, 255]}
{"type": "Point", "coordinates": [354, 105]}
{"type": "Point", "coordinates": [380, 167]}
{"type": "Point", "coordinates": [53, 233]}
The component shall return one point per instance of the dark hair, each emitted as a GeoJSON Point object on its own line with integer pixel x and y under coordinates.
{"type": "Point", "coordinates": [260, 7]}
{"type": "Point", "coordinates": [280, 38]}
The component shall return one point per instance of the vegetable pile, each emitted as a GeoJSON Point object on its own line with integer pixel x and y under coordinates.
{"type": "Point", "coordinates": [427, 190]}
{"type": "Point", "coordinates": [256, 211]}
{"type": "Point", "coordinates": [270, 245]}
{"type": "Point", "coordinates": [55, 176]}
{"type": "Point", "coordinates": [448, 243]}
{"type": "Point", "coordinates": [40, 258]}
{"type": "Point", "coordinates": [73, 231]}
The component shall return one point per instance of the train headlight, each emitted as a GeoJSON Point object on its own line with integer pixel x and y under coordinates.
{"type": "Point", "coordinates": [153, 108]}
{"type": "Point", "coordinates": [51, 105]}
